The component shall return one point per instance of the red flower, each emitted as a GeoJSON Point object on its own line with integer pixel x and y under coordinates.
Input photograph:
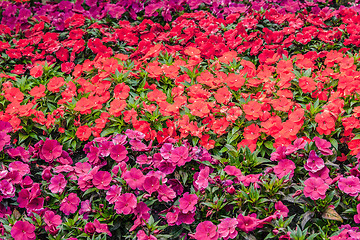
{"type": "Point", "coordinates": [307, 84]}
{"type": "Point", "coordinates": [252, 110]}
{"type": "Point", "coordinates": [252, 132]}
{"type": "Point", "coordinates": [83, 133]}
{"type": "Point", "coordinates": [23, 230]}
{"type": "Point", "coordinates": [37, 71]}
{"type": "Point", "coordinates": [55, 83]}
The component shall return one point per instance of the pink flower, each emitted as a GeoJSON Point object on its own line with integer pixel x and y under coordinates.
{"type": "Point", "coordinates": [187, 202]}
{"type": "Point", "coordinates": [126, 204]}
{"type": "Point", "coordinates": [206, 231]}
{"type": "Point", "coordinates": [281, 209]}
{"type": "Point", "coordinates": [134, 178]}
{"type": "Point", "coordinates": [314, 163]}
{"type": "Point", "coordinates": [89, 228]}
{"type": "Point", "coordinates": [70, 204]}
{"type": "Point", "coordinates": [227, 228]}
{"type": "Point", "coordinates": [357, 216]}
{"type": "Point", "coordinates": [50, 150]}
{"type": "Point", "coordinates": [299, 143]}
{"type": "Point", "coordinates": [101, 227]}
{"type": "Point", "coordinates": [247, 223]}
{"type": "Point", "coordinates": [141, 235]}
{"type": "Point", "coordinates": [180, 156]}
{"type": "Point", "coordinates": [23, 230]}
{"type": "Point", "coordinates": [315, 188]}
{"type": "Point", "coordinates": [284, 167]}
{"type": "Point", "coordinates": [118, 153]}
{"type": "Point", "coordinates": [165, 193]}
{"type": "Point", "coordinates": [323, 146]}
{"type": "Point", "coordinates": [7, 190]}
{"type": "Point", "coordinates": [113, 194]}
{"type": "Point", "coordinates": [202, 180]}
{"type": "Point", "coordinates": [151, 184]}
{"type": "Point", "coordinates": [4, 140]}
{"type": "Point", "coordinates": [51, 219]}
{"type": "Point", "coordinates": [57, 184]}
{"type": "Point", "coordinates": [102, 180]}
{"type": "Point", "coordinates": [349, 185]}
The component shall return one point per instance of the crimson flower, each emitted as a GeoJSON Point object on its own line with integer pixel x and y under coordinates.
{"type": "Point", "coordinates": [23, 230]}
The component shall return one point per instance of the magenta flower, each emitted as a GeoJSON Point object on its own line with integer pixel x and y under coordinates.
{"type": "Point", "coordinates": [89, 228]}
{"type": "Point", "coordinates": [349, 185]}
{"type": "Point", "coordinates": [206, 231]}
{"type": "Point", "coordinates": [281, 209]}
{"type": "Point", "coordinates": [134, 178]}
{"type": "Point", "coordinates": [85, 208]}
{"type": "Point", "coordinates": [5, 127]}
{"type": "Point", "coordinates": [70, 204]}
{"type": "Point", "coordinates": [299, 143]}
{"type": "Point", "coordinates": [187, 202]}
{"type": "Point", "coordinates": [165, 193]}
{"type": "Point", "coordinates": [278, 154]}
{"type": "Point", "coordinates": [141, 235]}
{"type": "Point", "coordinates": [151, 184]}
{"type": "Point", "coordinates": [314, 163]}
{"type": "Point", "coordinates": [102, 180]}
{"type": "Point", "coordinates": [247, 223]}
{"type": "Point", "coordinates": [101, 227]}
{"type": "Point", "coordinates": [113, 194]}
{"type": "Point", "coordinates": [118, 153]}
{"type": "Point", "coordinates": [4, 140]}
{"type": "Point", "coordinates": [134, 134]}
{"type": "Point", "coordinates": [202, 180]}
{"type": "Point", "coordinates": [51, 219]}
{"type": "Point", "coordinates": [23, 230]}
{"type": "Point", "coordinates": [233, 171]}
{"type": "Point", "coordinates": [126, 204]}
{"type": "Point", "coordinates": [50, 150]}
{"type": "Point", "coordinates": [180, 156]}
{"type": "Point", "coordinates": [227, 228]}
{"type": "Point", "coordinates": [315, 188]}
{"type": "Point", "coordinates": [284, 167]}
{"type": "Point", "coordinates": [357, 216]}
{"type": "Point", "coordinates": [57, 184]}
{"type": "Point", "coordinates": [19, 152]}
{"type": "Point", "coordinates": [323, 146]}
{"type": "Point", "coordinates": [7, 190]}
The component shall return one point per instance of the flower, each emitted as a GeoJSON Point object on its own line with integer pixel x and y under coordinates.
{"type": "Point", "coordinates": [227, 228]}
{"type": "Point", "coordinates": [57, 184]}
{"type": "Point", "coordinates": [113, 193]}
{"type": "Point", "coordinates": [281, 209]}
{"type": "Point", "coordinates": [247, 223]}
{"type": "Point", "coordinates": [51, 219]}
{"type": "Point", "coordinates": [314, 163]}
{"type": "Point", "coordinates": [284, 167]}
{"type": "Point", "coordinates": [50, 150]}
{"type": "Point", "coordinates": [89, 228]}
{"type": "Point", "coordinates": [349, 185]}
{"type": "Point", "coordinates": [357, 216]}
{"type": "Point", "coordinates": [180, 156]}
{"type": "Point", "coordinates": [323, 146]}
{"type": "Point", "coordinates": [187, 202]}
{"type": "Point", "coordinates": [206, 231]}
{"type": "Point", "coordinates": [83, 133]}
{"type": "Point", "coordinates": [125, 204]}
{"type": "Point", "coordinates": [315, 188]}
{"type": "Point", "coordinates": [134, 178]}
{"type": "Point", "coordinates": [202, 179]}
{"type": "Point", "coordinates": [151, 184]}
{"type": "Point", "coordinates": [70, 204]}
{"type": "Point", "coordinates": [102, 180]}
{"type": "Point", "coordinates": [118, 153]}
{"type": "Point", "coordinates": [23, 230]}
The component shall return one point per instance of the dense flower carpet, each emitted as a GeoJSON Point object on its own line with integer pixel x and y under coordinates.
{"type": "Point", "coordinates": [179, 119]}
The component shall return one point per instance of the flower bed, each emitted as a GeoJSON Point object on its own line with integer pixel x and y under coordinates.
{"type": "Point", "coordinates": [210, 122]}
